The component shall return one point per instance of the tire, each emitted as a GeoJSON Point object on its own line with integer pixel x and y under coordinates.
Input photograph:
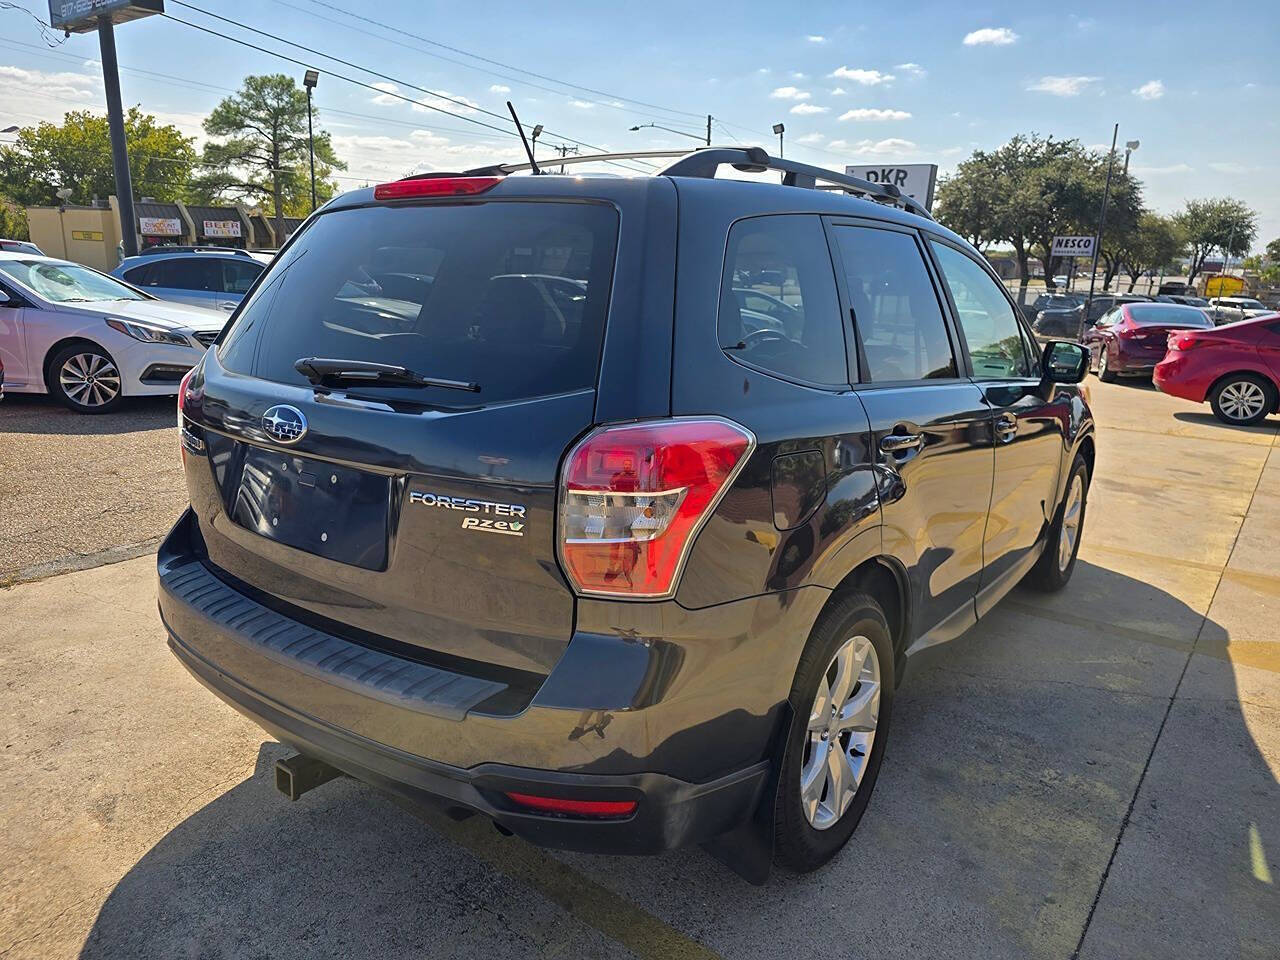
{"type": "Point", "coordinates": [85, 378]}
{"type": "Point", "coordinates": [1054, 568]}
{"type": "Point", "coordinates": [1242, 399]}
{"type": "Point", "coordinates": [1105, 374]}
{"type": "Point", "coordinates": [854, 631]}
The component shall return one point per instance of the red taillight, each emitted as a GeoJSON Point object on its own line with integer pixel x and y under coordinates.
{"type": "Point", "coordinates": [1184, 341]}
{"type": "Point", "coordinates": [633, 497]}
{"type": "Point", "coordinates": [579, 808]}
{"type": "Point", "coordinates": [434, 187]}
{"type": "Point", "coordinates": [182, 392]}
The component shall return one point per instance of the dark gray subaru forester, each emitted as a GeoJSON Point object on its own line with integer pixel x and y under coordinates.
{"type": "Point", "coordinates": [612, 509]}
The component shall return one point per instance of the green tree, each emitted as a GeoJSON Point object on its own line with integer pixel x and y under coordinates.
{"type": "Point", "coordinates": [1157, 243]}
{"type": "Point", "coordinates": [259, 151]}
{"type": "Point", "coordinates": [1273, 250]}
{"type": "Point", "coordinates": [1223, 224]}
{"type": "Point", "coordinates": [13, 221]}
{"type": "Point", "coordinates": [968, 201]}
{"type": "Point", "coordinates": [77, 154]}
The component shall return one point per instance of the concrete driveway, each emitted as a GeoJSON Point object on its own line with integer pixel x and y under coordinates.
{"type": "Point", "coordinates": [1091, 773]}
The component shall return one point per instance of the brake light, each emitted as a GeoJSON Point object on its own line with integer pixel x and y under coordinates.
{"type": "Point", "coordinates": [632, 499]}
{"type": "Point", "coordinates": [581, 808]}
{"type": "Point", "coordinates": [1184, 341]}
{"type": "Point", "coordinates": [182, 392]}
{"type": "Point", "coordinates": [434, 187]}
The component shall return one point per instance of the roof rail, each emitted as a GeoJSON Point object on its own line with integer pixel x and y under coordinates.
{"type": "Point", "coordinates": [703, 162]}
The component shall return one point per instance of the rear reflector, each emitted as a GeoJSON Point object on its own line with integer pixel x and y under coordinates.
{"type": "Point", "coordinates": [632, 499]}
{"type": "Point", "coordinates": [434, 187]}
{"type": "Point", "coordinates": [580, 808]}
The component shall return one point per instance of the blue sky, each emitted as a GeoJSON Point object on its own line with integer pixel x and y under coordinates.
{"type": "Point", "coordinates": [924, 82]}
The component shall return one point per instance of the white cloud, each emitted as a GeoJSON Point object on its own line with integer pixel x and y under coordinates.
{"type": "Point", "coordinates": [582, 104]}
{"type": "Point", "coordinates": [807, 109]}
{"type": "Point", "coordinates": [1063, 86]}
{"type": "Point", "coordinates": [789, 93]}
{"type": "Point", "coordinates": [863, 114]}
{"type": "Point", "coordinates": [911, 69]}
{"type": "Point", "coordinates": [1151, 90]}
{"type": "Point", "coordinates": [763, 70]}
{"type": "Point", "coordinates": [1230, 166]}
{"type": "Point", "coordinates": [383, 98]}
{"type": "Point", "coordinates": [992, 36]}
{"type": "Point", "coordinates": [811, 138]}
{"type": "Point", "coordinates": [499, 88]}
{"type": "Point", "coordinates": [797, 75]}
{"type": "Point", "coordinates": [893, 146]}
{"type": "Point", "coordinates": [838, 91]}
{"type": "Point", "coordinates": [462, 106]}
{"type": "Point", "coordinates": [1157, 171]}
{"type": "Point", "coordinates": [867, 78]}
{"type": "Point", "coordinates": [64, 85]}
{"type": "Point", "coordinates": [816, 38]}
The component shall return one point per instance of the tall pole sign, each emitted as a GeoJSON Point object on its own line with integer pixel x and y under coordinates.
{"type": "Point", "coordinates": [81, 16]}
{"type": "Point", "coordinates": [1102, 224]}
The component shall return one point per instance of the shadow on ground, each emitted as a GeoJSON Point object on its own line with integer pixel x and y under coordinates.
{"type": "Point", "coordinates": [41, 414]}
{"type": "Point", "coordinates": [1209, 420]}
{"type": "Point", "coordinates": [1016, 755]}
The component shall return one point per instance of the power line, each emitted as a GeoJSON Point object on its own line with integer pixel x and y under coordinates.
{"type": "Point", "coordinates": [362, 69]}
{"type": "Point", "coordinates": [506, 66]}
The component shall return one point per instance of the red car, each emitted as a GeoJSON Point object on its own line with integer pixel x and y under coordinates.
{"type": "Point", "coordinates": [1236, 367]}
{"type": "Point", "coordinates": [1131, 337]}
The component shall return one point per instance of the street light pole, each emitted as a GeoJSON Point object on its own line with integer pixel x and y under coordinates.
{"type": "Point", "coordinates": [683, 133]}
{"type": "Point", "coordinates": [1129, 147]}
{"type": "Point", "coordinates": [708, 129]}
{"type": "Point", "coordinates": [309, 80]}
{"type": "Point", "coordinates": [778, 128]}
{"type": "Point", "coordinates": [1097, 237]}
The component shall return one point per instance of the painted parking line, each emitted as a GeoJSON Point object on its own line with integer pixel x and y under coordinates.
{"type": "Point", "coordinates": [646, 936]}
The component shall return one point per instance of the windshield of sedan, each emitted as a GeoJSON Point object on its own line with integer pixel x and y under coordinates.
{"type": "Point", "coordinates": [66, 282]}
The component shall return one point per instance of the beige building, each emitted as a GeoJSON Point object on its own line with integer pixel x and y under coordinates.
{"type": "Point", "coordinates": [91, 235]}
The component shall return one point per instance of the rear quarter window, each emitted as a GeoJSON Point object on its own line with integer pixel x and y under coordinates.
{"type": "Point", "coordinates": [512, 295]}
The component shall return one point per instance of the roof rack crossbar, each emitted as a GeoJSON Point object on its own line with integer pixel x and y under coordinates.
{"type": "Point", "coordinates": [703, 162]}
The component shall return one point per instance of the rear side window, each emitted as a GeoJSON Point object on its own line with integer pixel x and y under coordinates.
{"type": "Point", "coordinates": [996, 345]}
{"type": "Point", "coordinates": [187, 273]}
{"type": "Point", "coordinates": [510, 295]}
{"type": "Point", "coordinates": [141, 276]}
{"type": "Point", "coordinates": [238, 277]}
{"type": "Point", "coordinates": [778, 304]}
{"type": "Point", "coordinates": [894, 305]}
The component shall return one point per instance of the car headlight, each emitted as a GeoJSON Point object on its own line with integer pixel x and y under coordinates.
{"type": "Point", "coordinates": [147, 332]}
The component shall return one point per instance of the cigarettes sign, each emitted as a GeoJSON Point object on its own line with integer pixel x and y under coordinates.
{"type": "Point", "coordinates": [1072, 247]}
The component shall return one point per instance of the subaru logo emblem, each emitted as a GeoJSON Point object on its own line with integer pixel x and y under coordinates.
{"type": "Point", "coordinates": [284, 423]}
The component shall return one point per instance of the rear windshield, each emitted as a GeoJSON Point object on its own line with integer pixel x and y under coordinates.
{"type": "Point", "coordinates": [510, 295]}
{"type": "Point", "coordinates": [1167, 315]}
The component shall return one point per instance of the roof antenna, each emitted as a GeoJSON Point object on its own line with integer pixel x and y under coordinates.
{"type": "Point", "coordinates": [523, 139]}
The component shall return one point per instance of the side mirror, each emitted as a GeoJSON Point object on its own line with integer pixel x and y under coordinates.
{"type": "Point", "coordinates": [1064, 362]}
{"type": "Point", "coordinates": [6, 300]}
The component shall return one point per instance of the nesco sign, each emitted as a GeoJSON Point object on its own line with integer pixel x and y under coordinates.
{"type": "Point", "coordinates": [916, 180]}
{"type": "Point", "coordinates": [1072, 247]}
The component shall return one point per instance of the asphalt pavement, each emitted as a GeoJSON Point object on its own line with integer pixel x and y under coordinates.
{"type": "Point", "coordinates": [1094, 771]}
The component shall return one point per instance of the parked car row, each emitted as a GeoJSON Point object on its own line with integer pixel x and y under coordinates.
{"type": "Point", "coordinates": [90, 339]}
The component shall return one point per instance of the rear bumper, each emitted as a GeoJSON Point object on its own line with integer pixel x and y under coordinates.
{"type": "Point", "coordinates": [1171, 376]}
{"type": "Point", "coordinates": [390, 721]}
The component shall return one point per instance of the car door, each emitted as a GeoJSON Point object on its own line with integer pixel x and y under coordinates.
{"type": "Point", "coordinates": [237, 278]}
{"type": "Point", "coordinates": [13, 340]}
{"type": "Point", "coordinates": [193, 280]}
{"type": "Point", "coordinates": [1096, 336]}
{"type": "Point", "coordinates": [1268, 343]}
{"type": "Point", "coordinates": [1029, 424]}
{"type": "Point", "coordinates": [930, 425]}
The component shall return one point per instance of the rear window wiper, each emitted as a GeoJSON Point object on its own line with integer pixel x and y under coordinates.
{"type": "Point", "coordinates": [325, 372]}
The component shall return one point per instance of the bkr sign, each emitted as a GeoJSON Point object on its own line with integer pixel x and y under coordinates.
{"type": "Point", "coordinates": [916, 180]}
{"type": "Point", "coordinates": [1072, 247]}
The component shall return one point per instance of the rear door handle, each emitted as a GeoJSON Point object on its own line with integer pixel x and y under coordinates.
{"type": "Point", "coordinates": [1006, 426]}
{"type": "Point", "coordinates": [899, 442]}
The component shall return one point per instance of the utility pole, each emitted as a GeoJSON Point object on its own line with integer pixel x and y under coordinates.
{"type": "Point", "coordinates": [564, 150]}
{"type": "Point", "coordinates": [1097, 237]}
{"type": "Point", "coordinates": [115, 122]}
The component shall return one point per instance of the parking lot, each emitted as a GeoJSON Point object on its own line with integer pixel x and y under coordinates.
{"type": "Point", "coordinates": [1094, 771]}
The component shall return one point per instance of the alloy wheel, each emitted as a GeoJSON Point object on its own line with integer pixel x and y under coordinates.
{"type": "Point", "coordinates": [841, 730]}
{"type": "Point", "coordinates": [1242, 400]}
{"type": "Point", "coordinates": [90, 379]}
{"type": "Point", "coordinates": [1072, 512]}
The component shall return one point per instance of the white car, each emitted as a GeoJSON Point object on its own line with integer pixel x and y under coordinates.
{"type": "Point", "coordinates": [89, 339]}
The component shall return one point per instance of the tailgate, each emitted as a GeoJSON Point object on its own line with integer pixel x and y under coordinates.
{"type": "Point", "coordinates": [420, 518]}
